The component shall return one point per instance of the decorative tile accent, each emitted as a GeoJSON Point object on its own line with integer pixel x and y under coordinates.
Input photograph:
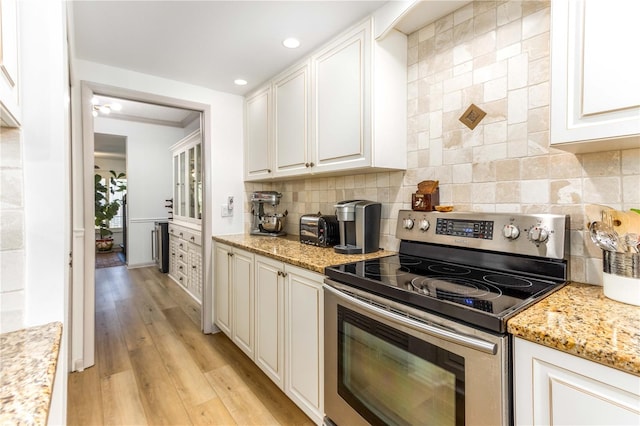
{"type": "Point", "coordinates": [472, 116]}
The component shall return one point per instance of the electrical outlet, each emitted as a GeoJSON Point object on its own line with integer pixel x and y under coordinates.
{"type": "Point", "coordinates": [225, 211]}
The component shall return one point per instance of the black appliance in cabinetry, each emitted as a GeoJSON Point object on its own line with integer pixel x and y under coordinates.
{"type": "Point", "coordinates": [160, 245]}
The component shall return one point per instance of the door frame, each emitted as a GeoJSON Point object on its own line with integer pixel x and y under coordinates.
{"type": "Point", "coordinates": [83, 293]}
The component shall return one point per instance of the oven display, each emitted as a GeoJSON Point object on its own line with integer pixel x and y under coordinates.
{"type": "Point", "coordinates": [482, 229]}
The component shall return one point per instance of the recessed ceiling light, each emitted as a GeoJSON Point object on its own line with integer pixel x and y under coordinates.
{"type": "Point", "coordinates": [240, 82]}
{"type": "Point", "coordinates": [291, 43]}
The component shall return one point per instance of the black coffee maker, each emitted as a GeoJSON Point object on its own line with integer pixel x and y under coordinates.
{"type": "Point", "coordinates": [359, 225]}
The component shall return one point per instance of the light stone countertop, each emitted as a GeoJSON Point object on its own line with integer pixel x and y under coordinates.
{"type": "Point", "coordinates": [579, 320]}
{"type": "Point", "coordinates": [28, 360]}
{"type": "Point", "coordinates": [289, 249]}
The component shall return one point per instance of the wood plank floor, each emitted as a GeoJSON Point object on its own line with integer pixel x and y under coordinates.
{"type": "Point", "coordinates": [154, 366]}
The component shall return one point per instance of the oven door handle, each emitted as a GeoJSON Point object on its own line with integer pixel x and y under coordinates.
{"type": "Point", "coordinates": [432, 330]}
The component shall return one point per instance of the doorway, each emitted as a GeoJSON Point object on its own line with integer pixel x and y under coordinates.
{"type": "Point", "coordinates": [83, 304]}
{"type": "Point", "coordinates": [110, 169]}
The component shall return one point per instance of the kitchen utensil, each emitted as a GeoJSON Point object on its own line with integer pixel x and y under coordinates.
{"type": "Point", "coordinates": [604, 237]}
{"type": "Point", "coordinates": [598, 212]}
{"type": "Point", "coordinates": [632, 241]}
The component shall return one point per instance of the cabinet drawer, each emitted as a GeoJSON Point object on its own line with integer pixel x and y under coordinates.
{"type": "Point", "coordinates": [193, 237]}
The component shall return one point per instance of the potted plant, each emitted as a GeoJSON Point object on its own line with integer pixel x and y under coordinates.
{"type": "Point", "coordinates": [105, 210]}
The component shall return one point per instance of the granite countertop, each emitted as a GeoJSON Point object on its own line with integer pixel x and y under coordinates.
{"type": "Point", "coordinates": [289, 249]}
{"type": "Point", "coordinates": [28, 360]}
{"type": "Point", "coordinates": [578, 319]}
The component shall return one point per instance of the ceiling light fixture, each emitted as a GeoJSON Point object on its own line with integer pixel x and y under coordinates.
{"type": "Point", "coordinates": [104, 109]}
{"type": "Point", "coordinates": [240, 82]}
{"type": "Point", "coordinates": [291, 43]}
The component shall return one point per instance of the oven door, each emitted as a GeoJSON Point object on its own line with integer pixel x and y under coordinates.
{"type": "Point", "coordinates": [384, 367]}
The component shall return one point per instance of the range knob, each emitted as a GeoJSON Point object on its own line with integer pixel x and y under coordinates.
{"type": "Point", "coordinates": [423, 225]}
{"type": "Point", "coordinates": [407, 223]}
{"type": "Point", "coordinates": [538, 234]}
{"type": "Point", "coordinates": [511, 232]}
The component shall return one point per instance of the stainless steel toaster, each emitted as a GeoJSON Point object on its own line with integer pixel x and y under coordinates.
{"type": "Point", "coordinates": [319, 230]}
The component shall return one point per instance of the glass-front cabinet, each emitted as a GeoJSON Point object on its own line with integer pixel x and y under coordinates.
{"type": "Point", "coordinates": [187, 178]}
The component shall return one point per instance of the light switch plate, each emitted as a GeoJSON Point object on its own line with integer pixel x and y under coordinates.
{"type": "Point", "coordinates": [225, 211]}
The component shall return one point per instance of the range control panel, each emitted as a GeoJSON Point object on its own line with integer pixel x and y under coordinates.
{"type": "Point", "coordinates": [543, 235]}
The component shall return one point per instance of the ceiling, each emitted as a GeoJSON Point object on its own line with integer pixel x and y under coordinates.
{"type": "Point", "coordinates": [208, 43]}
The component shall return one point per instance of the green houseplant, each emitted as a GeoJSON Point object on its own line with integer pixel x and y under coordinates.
{"type": "Point", "coordinates": [105, 210]}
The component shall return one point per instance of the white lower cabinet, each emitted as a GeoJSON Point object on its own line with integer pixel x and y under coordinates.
{"type": "Point", "coordinates": [273, 311]}
{"type": "Point", "coordinates": [234, 295]}
{"type": "Point", "coordinates": [304, 321]}
{"type": "Point", "coordinates": [185, 259]}
{"type": "Point", "coordinates": [553, 387]}
{"type": "Point", "coordinates": [270, 318]}
{"type": "Point", "coordinates": [242, 299]}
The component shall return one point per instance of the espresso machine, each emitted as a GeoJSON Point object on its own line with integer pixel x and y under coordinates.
{"type": "Point", "coordinates": [359, 226]}
{"type": "Point", "coordinates": [267, 222]}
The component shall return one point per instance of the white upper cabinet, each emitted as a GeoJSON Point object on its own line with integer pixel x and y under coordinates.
{"type": "Point", "coordinates": [257, 119]}
{"type": "Point", "coordinates": [291, 91]}
{"type": "Point", "coordinates": [9, 88]}
{"type": "Point", "coordinates": [187, 179]}
{"type": "Point", "coordinates": [342, 102]}
{"type": "Point", "coordinates": [343, 109]}
{"type": "Point", "coordinates": [595, 89]}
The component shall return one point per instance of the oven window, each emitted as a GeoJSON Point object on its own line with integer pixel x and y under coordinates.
{"type": "Point", "coordinates": [391, 377]}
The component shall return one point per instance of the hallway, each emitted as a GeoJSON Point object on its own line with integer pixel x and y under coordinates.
{"type": "Point", "coordinates": [154, 366]}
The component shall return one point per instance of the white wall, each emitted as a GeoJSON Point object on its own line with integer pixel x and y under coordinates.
{"type": "Point", "coordinates": [149, 179]}
{"type": "Point", "coordinates": [45, 133]}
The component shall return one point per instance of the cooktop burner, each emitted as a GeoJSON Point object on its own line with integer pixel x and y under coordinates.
{"type": "Point", "coordinates": [459, 291]}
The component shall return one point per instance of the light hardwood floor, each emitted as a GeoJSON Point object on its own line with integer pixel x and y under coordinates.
{"type": "Point", "coordinates": [154, 366]}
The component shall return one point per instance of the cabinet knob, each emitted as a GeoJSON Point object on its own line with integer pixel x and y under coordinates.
{"type": "Point", "coordinates": [193, 238]}
{"type": "Point", "coordinates": [268, 170]}
{"type": "Point", "coordinates": [306, 164]}
{"type": "Point", "coordinates": [311, 164]}
{"type": "Point", "coordinates": [230, 254]}
{"type": "Point", "coordinates": [193, 267]}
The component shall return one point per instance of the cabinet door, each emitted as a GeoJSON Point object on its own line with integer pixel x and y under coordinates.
{"type": "Point", "coordinates": [304, 334]}
{"type": "Point", "coordinates": [595, 92]}
{"type": "Point", "coordinates": [341, 102]}
{"type": "Point", "coordinates": [198, 182]}
{"type": "Point", "coordinates": [270, 318]}
{"type": "Point", "coordinates": [176, 185]}
{"type": "Point", "coordinates": [552, 387]}
{"type": "Point", "coordinates": [258, 135]}
{"type": "Point", "coordinates": [173, 256]}
{"type": "Point", "coordinates": [222, 287]}
{"type": "Point", "coordinates": [191, 182]}
{"type": "Point", "coordinates": [243, 302]}
{"type": "Point", "coordinates": [291, 115]}
{"type": "Point", "coordinates": [182, 191]}
{"type": "Point", "coordinates": [195, 271]}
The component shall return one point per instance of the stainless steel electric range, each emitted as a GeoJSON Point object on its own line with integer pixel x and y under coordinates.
{"type": "Point", "coordinates": [420, 337]}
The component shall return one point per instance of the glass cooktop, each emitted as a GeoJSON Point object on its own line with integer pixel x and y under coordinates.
{"type": "Point", "coordinates": [481, 297]}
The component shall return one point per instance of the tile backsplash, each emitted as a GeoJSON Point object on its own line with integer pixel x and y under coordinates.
{"type": "Point", "coordinates": [495, 55]}
{"type": "Point", "coordinates": [12, 273]}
